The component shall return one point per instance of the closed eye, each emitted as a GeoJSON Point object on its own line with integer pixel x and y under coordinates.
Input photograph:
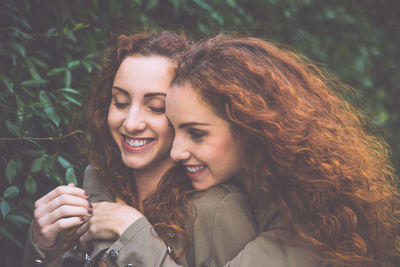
{"type": "Point", "coordinates": [157, 110]}
{"type": "Point", "coordinates": [120, 105]}
{"type": "Point", "coordinates": [196, 135]}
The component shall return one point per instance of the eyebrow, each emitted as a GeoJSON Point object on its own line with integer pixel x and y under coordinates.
{"type": "Point", "coordinates": [192, 123]}
{"type": "Point", "coordinates": [155, 94]}
{"type": "Point", "coordinates": [120, 89]}
{"type": "Point", "coordinates": [145, 95]}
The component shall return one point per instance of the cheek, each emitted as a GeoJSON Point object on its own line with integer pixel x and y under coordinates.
{"type": "Point", "coordinates": [229, 151]}
{"type": "Point", "coordinates": [114, 119]}
{"type": "Point", "coordinates": [164, 130]}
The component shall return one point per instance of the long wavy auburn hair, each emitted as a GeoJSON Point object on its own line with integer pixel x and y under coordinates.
{"type": "Point", "coordinates": [304, 145]}
{"type": "Point", "coordinates": [165, 207]}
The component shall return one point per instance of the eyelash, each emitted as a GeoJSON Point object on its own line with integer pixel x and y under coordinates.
{"type": "Point", "coordinates": [196, 136]}
{"type": "Point", "coordinates": [120, 105]}
{"type": "Point", "coordinates": [157, 110]}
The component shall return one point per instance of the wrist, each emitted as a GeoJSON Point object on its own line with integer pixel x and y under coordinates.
{"type": "Point", "coordinates": [40, 242]}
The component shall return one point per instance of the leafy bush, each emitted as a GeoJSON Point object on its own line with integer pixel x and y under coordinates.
{"type": "Point", "coordinates": [50, 52]}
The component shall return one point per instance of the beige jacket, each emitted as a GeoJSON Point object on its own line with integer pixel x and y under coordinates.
{"type": "Point", "coordinates": [219, 224]}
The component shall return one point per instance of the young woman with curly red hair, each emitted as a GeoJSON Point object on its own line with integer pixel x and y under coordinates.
{"type": "Point", "coordinates": [138, 196]}
{"type": "Point", "coordinates": [322, 187]}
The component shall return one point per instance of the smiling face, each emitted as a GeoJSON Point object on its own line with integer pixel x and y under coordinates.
{"type": "Point", "coordinates": [203, 141]}
{"type": "Point", "coordinates": [136, 116]}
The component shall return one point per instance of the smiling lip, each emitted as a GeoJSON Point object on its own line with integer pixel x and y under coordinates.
{"type": "Point", "coordinates": [194, 171]}
{"type": "Point", "coordinates": [137, 144]}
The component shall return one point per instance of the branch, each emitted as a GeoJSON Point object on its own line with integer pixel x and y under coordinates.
{"type": "Point", "coordinates": [41, 138]}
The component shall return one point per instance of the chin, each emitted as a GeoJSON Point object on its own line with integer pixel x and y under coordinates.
{"type": "Point", "coordinates": [135, 164]}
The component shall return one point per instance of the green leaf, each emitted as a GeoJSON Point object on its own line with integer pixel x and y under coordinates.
{"type": "Point", "coordinates": [4, 208]}
{"type": "Point", "coordinates": [70, 35]}
{"type": "Point", "coordinates": [12, 128]}
{"type": "Point", "coordinates": [5, 232]}
{"type": "Point", "coordinates": [56, 70]}
{"type": "Point", "coordinates": [37, 164]}
{"type": "Point", "coordinates": [56, 177]}
{"type": "Point", "coordinates": [87, 66]}
{"type": "Point", "coordinates": [10, 192]}
{"type": "Point", "coordinates": [78, 26]}
{"type": "Point", "coordinates": [22, 34]}
{"type": "Point", "coordinates": [19, 48]}
{"type": "Point", "coordinates": [32, 69]}
{"type": "Point", "coordinates": [11, 171]}
{"type": "Point", "coordinates": [44, 98]}
{"type": "Point", "coordinates": [30, 185]}
{"type": "Point", "coordinates": [73, 64]}
{"type": "Point", "coordinates": [70, 176]}
{"type": "Point", "coordinates": [40, 63]}
{"type": "Point", "coordinates": [25, 22]}
{"type": "Point", "coordinates": [51, 114]}
{"type": "Point", "coordinates": [63, 162]}
{"type": "Point", "coordinates": [73, 100]}
{"type": "Point", "coordinates": [7, 82]}
{"type": "Point", "coordinates": [70, 90]}
{"type": "Point", "coordinates": [17, 219]}
{"type": "Point", "coordinates": [34, 83]}
{"type": "Point", "coordinates": [231, 3]}
{"type": "Point", "coordinates": [67, 79]}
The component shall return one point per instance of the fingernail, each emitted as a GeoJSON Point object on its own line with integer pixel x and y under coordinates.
{"type": "Point", "coordinates": [90, 206]}
{"type": "Point", "coordinates": [82, 219]}
{"type": "Point", "coordinates": [86, 193]}
{"type": "Point", "coordinates": [90, 211]}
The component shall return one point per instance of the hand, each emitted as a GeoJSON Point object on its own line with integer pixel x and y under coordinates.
{"type": "Point", "coordinates": [61, 208]}
{"type": "Point", "coordinates": [108, 222]}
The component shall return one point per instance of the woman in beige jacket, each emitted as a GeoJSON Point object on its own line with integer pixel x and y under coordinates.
{"type": "Point", "coordinates": [137, 192]}
{"type": "Point", "coordinates": [320, 185]}
{"type": "Point", "coordinates": [318, 180]}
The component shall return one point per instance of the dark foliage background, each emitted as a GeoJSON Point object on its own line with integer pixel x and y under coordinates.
{"type": "Point", "coordinates": [50, 52]}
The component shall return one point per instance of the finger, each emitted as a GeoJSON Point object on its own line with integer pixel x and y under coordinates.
{"type": "Point", "coordinates": [64, 212]}
{"type": "Point", "coordinates": [62, 224]}
{"type": "Point", "coordinates": [65, 199]}
{"type": "Point", "coordinates": [62, 200]}
{"type": "Point", "coordinates": [71, 190]}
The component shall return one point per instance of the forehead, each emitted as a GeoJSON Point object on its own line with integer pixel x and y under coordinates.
{"type": "Point", "coordinates": [145, 71]}
{"type": "Point", "coordinates": [185, 103]}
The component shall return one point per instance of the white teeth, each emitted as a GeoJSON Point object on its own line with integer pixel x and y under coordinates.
{"type": "Point", "coordinates": [195, 169]}
{"type": "Point", "coordinates": [137, 143]}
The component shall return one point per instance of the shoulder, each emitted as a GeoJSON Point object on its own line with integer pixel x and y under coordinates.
{"type": "Point", "coordinates": [282, 246]}
{"type": "Point", "coordinates": [224, 194]}
{"type": "Point", "coordinates": [222, 204]}
{"type": "Point", "coordinates": [218, 214]}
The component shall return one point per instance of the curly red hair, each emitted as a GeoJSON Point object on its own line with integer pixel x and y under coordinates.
{"type": "Point", "coordinates": [165, 207]}
{"type": "Point", "coordinates": [305, 145]}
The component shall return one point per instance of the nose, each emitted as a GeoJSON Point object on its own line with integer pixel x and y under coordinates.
{"type": "Point", "coordinates": [134, 121]}
{"type": "Point", "coordinates": [178, 151]}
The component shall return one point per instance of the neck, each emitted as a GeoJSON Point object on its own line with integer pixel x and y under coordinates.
{"type": "Point", "coordinates": [147, 179]}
